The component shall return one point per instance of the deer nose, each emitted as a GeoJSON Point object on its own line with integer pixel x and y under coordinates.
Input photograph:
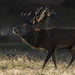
{"type": "Point", "coordinates": [15, 30]}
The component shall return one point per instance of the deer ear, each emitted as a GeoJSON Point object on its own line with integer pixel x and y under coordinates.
{"type": "Point", "coordinates": [37, 29]}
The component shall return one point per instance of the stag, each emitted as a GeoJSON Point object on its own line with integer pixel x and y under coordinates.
{"type": "Point", "coordinates": [51, 38]}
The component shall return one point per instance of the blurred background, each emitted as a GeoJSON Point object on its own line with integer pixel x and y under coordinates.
{"type": "Point", "coordinates": [10, 15]}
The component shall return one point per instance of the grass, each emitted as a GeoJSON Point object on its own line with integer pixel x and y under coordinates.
{"type": "Point", "coordinates": [19, 60]}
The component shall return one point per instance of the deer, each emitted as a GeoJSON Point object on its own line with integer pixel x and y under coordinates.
{"type": "Point", "coordinates": [55, 36]}
{"type": "Point", "coordinates": [51, 39]}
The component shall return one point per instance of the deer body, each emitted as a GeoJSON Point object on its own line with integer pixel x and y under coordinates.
{"type": "Point", "coordinates": [50, 39]}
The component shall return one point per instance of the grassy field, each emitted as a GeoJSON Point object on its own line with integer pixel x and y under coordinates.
{"type": "Point", "coordinates": [22, 60]}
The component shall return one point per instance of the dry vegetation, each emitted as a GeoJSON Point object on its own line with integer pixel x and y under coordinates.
{"type": "Point", "coordinates": [26, 61]}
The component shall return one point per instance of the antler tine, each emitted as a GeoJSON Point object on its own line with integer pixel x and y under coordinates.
{"type": "Point", "coordinates": [52, 12]}
{"type": "Point", "coordinates": [29, 14]}
{"type": "Point", "coordinates": [23, 14]}
{"type": "Point", "coordinates": [41, 8]}
{"type": "Point", "coordinates": [46, 8]}
{"type": "Point", "coordinates": [38, 10]}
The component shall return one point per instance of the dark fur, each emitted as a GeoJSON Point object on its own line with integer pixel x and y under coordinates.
{"type": "Point", "coordinates": [49, 39]}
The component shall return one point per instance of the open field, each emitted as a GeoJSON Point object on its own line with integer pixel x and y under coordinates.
{"type": "Point", "coordinates": [22, 60]}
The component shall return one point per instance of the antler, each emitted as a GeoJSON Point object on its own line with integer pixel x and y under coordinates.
{"type": "Point", "coordinates": [38, 10]}
{"type": "Point", "coordinates": [29, 14]}
{"type": "Point", "coordinates": [39, 15]}
{"type": "Point", "coordinates": [23, 14]}
{"type": "Point", "coordinates": [52, 12]}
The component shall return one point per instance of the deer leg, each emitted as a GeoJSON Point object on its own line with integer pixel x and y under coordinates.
{"type": "Point", "coordinates": [54, 60]}
{"type": "Point", "coordinates": [71, 61]}
{"type": "Point", "coordinates": [47, 57]}
{"type": "Point", "coordinates": [72, 52]}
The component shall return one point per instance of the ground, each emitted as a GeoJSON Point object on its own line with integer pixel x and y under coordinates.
{"type": "Point", "coordinates": [21, 60]}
